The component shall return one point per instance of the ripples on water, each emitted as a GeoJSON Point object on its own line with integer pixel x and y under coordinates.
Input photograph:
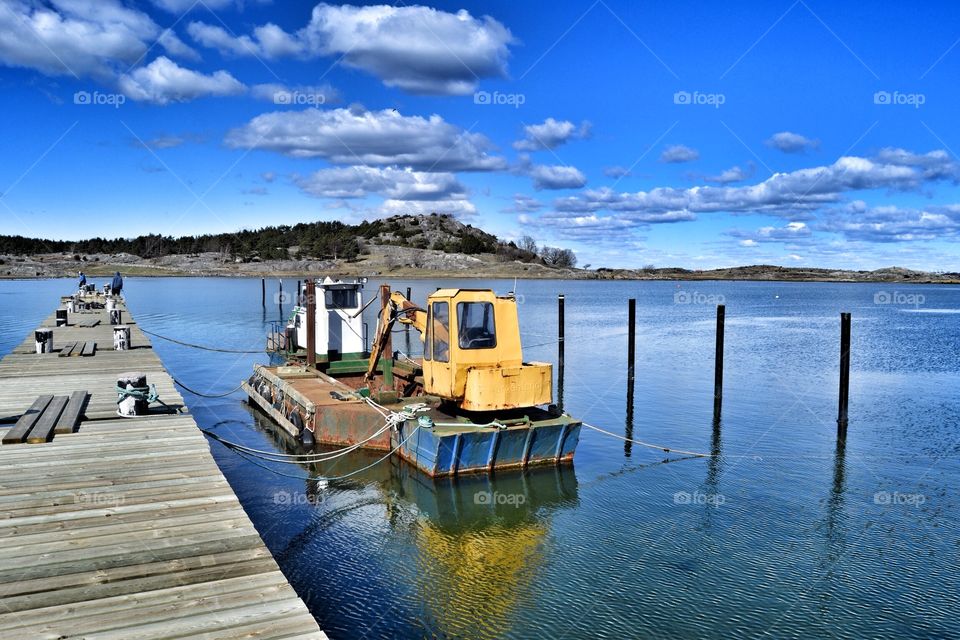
{"type": "Point", "coordinates": [782, 533]}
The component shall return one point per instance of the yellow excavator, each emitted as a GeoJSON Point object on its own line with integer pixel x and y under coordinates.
{"type": "Point", "coordinates": [472, 355]}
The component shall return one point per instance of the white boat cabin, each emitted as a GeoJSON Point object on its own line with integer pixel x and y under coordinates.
{"type": "Point", "coordinates": [340, 330]}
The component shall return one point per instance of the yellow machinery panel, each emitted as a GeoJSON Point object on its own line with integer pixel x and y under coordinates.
{"type": "Point", "coordinates": [471, 349]}
{"type": "Point", "coordinates": [493, 388]}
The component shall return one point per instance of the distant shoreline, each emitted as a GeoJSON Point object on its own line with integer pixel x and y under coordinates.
{"type": "Point", "coordinates": [426, 265]}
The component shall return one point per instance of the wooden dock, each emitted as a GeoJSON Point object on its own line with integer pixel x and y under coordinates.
{"type": "Point", "coordinates": [123, 527]}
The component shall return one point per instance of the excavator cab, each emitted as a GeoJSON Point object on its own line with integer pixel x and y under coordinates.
{"type": "Point", "coordinates": [472, 353]}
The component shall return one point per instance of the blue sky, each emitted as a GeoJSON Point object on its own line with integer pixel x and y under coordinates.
{"type": "Point", "coordinates": [690, 134]}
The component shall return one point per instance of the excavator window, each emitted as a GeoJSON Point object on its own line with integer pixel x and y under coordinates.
{"type": "Point", "coordinates": [475, 326]}
{"type": "Point", "coordinates": [440, 328]}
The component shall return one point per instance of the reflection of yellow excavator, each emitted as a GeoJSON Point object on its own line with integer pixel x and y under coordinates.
{"type": "Point", "coordinates": [472, 354]}
{"type": "Point", "coordinates": [472, 581]}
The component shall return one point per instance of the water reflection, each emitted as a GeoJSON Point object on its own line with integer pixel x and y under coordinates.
{"type": "Point", "coordinates": [479, 541]}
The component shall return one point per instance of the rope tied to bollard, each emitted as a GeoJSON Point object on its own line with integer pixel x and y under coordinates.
{"type": "Point", "coordinates": [147, 394]}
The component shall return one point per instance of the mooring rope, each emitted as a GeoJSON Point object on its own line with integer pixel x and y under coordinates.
{"type": "Point", "coordinates": [207, 395]}
{"type": "Point", "coordinates": [647, 444]}
{"type": "Point", "coordinates": [287, 458]}
{"type": "Point", "coordinates": [327, 478]}
{"type": "Point", "coordinates": [196, 346]}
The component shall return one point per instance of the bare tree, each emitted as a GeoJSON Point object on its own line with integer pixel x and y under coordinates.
{"type": "Point", "coordinates": [555, 257]}
{"type": "Point", "coordinates": [527, 243]}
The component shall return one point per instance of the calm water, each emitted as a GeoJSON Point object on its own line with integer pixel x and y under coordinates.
{"type": "Point", "coordinates": [781, 534]}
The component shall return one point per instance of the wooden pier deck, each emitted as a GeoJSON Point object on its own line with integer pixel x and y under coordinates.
{"type": "Point", "coordinates": [125, 528]}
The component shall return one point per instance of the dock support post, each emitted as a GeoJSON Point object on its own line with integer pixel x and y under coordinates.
{"type": "Point", "coordinates": [631, 354]}
{"type": "Point", "coordinates": [311, 296]}
{"type": "Point", "coordinates": [263, 292]}
{"type": "Point", "coordinates": [631, 339]}
{"type": "Point", "coordinates": [280, 298]}
{"type": "Point", "coordinates": [718, 363]}
{"type": "Point", "coordinates": [296, 298]}
{"type": "Point", "coordinates": [560, 350]}
{"type": "Point", "coordinates": [844, 375]}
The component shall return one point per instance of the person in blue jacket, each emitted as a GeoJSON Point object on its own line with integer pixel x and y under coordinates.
{"type": "Point", "coordinates": [117, 285]}
{"type": "Point", "coordinates": [83, 279]}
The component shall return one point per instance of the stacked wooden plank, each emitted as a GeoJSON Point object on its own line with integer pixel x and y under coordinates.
{"type": "Point", "coordinates": [125, 528]}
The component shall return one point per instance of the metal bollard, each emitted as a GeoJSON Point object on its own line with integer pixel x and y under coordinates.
{"type": "Point", "coordinates": [44, 340]}
{"type": "Point", "coordinates": [121, 338]}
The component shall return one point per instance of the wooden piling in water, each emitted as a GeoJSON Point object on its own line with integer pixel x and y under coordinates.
{"type": "Point", "coordinates": [280, 298]}
{"type": "Point", "coordinates": [718, 363]}
{"type": "Point", "coordinates": [844, 401]}
{"type": "Point", "coordinates": [263, 292]}
{"type": "Point", "coordinates": [561, 299]}
{"type": "Point", "coordinates": [631, 339]}
{"type": "Point", "coordinates": [311, 297]}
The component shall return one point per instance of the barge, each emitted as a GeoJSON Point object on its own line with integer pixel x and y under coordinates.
{"type": "Point", "coordinates": [469, 404]}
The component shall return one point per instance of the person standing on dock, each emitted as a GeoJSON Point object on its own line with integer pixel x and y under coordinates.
{"type": "Point", "coordinates": [83, 279]}
{"type": "Point", "coordinates": [117, 285]}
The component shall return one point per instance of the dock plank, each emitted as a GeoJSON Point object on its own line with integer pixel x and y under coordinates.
{"type": "Point", "coordinates": [43, 430]}
{"type": "Point", "coordinates": [19, 432]}
{"type": "Point", "coordinates": [122, 528]}
{"type": "Point", "coordinates": [70, 418]}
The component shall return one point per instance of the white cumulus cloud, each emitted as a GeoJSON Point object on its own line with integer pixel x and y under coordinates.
{"type": "Point", "coordinates": [550, 134]}
{"type": "Point", "coordinates": [790, 142]}
{"type": "Point", "coordinates": [676, 153]}
{"type": "Point", "coordinates": [389, 182]}
{"type": "Point", "coordinates": [414, 48]}
{"type": "Point", "coordinates": [356, 136]}
{"type": "Point", "coordinates": [163, 81]}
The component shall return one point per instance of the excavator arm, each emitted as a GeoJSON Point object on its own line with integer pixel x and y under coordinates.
{"type": "Point", "coordinates": [398, 308]}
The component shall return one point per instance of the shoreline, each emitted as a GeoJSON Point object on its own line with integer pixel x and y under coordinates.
{"type": "Point", "coordinates": [454, 275]}
{"type": "Point", "coordinates": [411, 264]}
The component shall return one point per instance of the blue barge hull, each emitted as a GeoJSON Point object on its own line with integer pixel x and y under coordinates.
{"type": "Point", "coordinates": [441, 451]}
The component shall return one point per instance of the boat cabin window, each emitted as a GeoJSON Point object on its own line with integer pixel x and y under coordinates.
{"type": "Point", "coordinates": [341, 298]}
{"type": "Point", "coordinates": [440, 332]}
{"type": "Point", "coordinates": [475, 327]}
